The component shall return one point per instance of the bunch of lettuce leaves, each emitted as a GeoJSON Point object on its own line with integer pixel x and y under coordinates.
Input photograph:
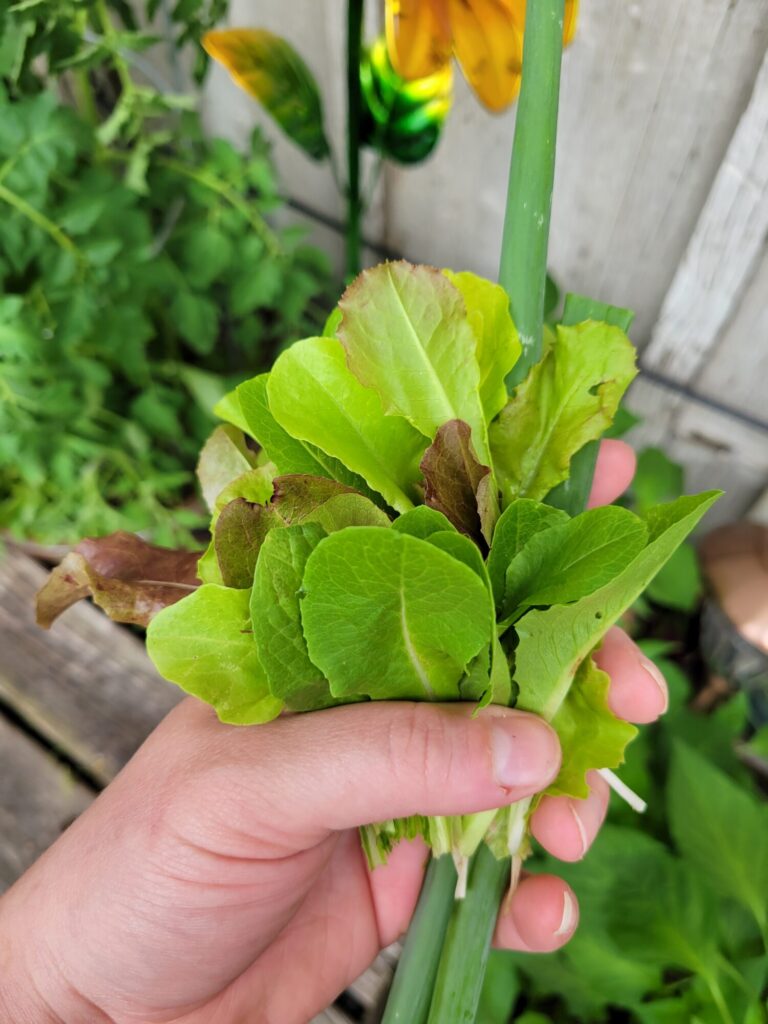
{"type": "Point", "coordinates": [379, 529]}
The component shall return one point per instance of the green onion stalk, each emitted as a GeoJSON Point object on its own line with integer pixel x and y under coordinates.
{"type": "Point", "coordinates": [441, 970]}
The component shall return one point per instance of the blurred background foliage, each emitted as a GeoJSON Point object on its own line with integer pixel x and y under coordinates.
{"type": "Point", "coordinates": [140, 275]}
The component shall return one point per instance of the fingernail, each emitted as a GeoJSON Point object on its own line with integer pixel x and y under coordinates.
{"type": "Point", "coordinates": [568, 919]}
{"type": "Point", "coordinates": [580, 827]}
{"type": "Point", "coordinates": [525, 751]}
{"type": "Point", "coordinates": [655, 673]}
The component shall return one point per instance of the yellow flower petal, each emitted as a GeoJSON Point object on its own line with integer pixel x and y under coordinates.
{"type": "Point", "coordinates": [418, 36]}
{"type": "Point", "coordinates": [569, 22]}
{"type": "Point", "coordinates": [488, 43]}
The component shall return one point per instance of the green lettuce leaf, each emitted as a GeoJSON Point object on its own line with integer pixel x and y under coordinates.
{"type": "Point", "coordinates": [591, 736]}
{"type": "Point", "coordinates": [204, 644]}
{"type": "Point", "coordinates": [313, 396]}
{"type": "Point", "coordinates": [452, 479]}
{"type": "Point", "coordinates": [498, 345]}
{"type": "Point", "coordinates": [391, 616]}
{"type": "Point", "coordinates": [553, 642]}
{"type": "Point", "coordinates": [224, 457]}
{"type": "Point", "coordinates": [422, 522]}
{"type": "Point", "coordinates": [574, 559]}
{"type": "Point", "coordinates": [228, 409]}
{"type": "Point", "coordinates": [568, 399]}
{"type": "Point", "coordinates": [276, 617]}
{"type": "Point", "coordinates": [518, 523]}
{"type": "Point", "coordinates": [242, 526]}
{"type": "Point", "coordinates": [407, 336]}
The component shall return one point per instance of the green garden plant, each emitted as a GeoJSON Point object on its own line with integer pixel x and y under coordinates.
{"type": "Point", "coordinates": [140, 280]}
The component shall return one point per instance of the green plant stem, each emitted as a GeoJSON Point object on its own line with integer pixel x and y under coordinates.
{"type": "Point", "coordinates": [411, 991]}
{"type": "Point", "coordinates": [523, 267]}
{"type": "Point", "coordinates": [39, 219]}
{"type": "Point", "coordinates": [120, 64]}
{"type": "Point", "coordinates": [354, 117]}
{"type": "Point", "coordinates": [462, 965]}
{"type": "Point", "coordinates": [221, 188]}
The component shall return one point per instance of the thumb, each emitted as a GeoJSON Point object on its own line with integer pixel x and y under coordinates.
{"type": "Point", "coordinates": [349, 766]}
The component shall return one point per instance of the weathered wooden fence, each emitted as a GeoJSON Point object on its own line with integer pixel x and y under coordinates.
{"type": "Point", "coordinates": [661, 201]}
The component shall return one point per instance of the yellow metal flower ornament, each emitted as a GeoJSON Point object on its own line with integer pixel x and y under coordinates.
{"type": "Point", "coordinates": [485, 36]}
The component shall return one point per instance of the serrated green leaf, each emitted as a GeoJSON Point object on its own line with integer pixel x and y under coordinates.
{"type": "Point", "coordinates": [407, 335]}
{"type": "Point", "coordinates": [204, 644]}
{"type": "Point", "coordinates": [498, 344]}
{"type": "Point", "coordinates": [567, 399]}
{"type": "Point", "coordinates": [591, 736]}
{"type": "Point", "coordinates": [720, 829]}
{"type": "Point", "coordinates": [391, 616]}
{"type": "Point", "coordinates": [313, 396]}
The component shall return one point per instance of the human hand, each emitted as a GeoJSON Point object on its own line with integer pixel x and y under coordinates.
{"type": "Point", "coordinates": [220, 878]}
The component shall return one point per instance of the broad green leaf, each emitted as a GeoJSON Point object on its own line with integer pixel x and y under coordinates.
{"type": "Point", "coordinates": [518, 523]}
{"type": "Point", "coordinates": [391, 616]}
{"type": "Point", "coordinates": [289, 454]}
{"type": "Point", "coordinates": [721, 829]}
{"type": "Point", "coordinates": [572, 560]}
{"type": "Point", "coordinates": [204, 644]}
{"type": "Point", "coordinates": [313, 395]}
{"type": "Point", "coordinates": [488, 678]}
{"type": "Point", "coordinates": [501, 989]}
{"type": "Point", "coordinates": [421, 522]}
{"type": "Point", "coordinates": [224, 457]}
{"type": "Point", "coordinates": [567, 399]}
{"type": "Point", "coordinates": [678, 584]}
{"type": "Point", "coordinates": [591, 736]}
{"type": "Point", "coordinates": [276, 618]}
{"type": "Point", "coordinates": [407, 335]}
{"type": "Point", "coordinates": [553, 642]}
{"type": "Point", "coordinates": [498, 345]}
{"type": "Point", "coordinates": [269, 68]}
{"type": "Point", "coordinates": [661, 913]}
{"type": "Point", "coordinates": [452, 478]}
{"type": "Point", "coordinates": [657, 478]}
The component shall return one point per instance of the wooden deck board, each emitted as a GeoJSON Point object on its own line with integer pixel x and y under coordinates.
{"type": "Point", "coordinates": [86, 686]}
{"type": "Point", "coordinates": [39, 798]}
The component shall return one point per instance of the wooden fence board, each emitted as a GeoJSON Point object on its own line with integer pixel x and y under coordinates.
{"type": "Point", "coordinates": [723, 250]}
